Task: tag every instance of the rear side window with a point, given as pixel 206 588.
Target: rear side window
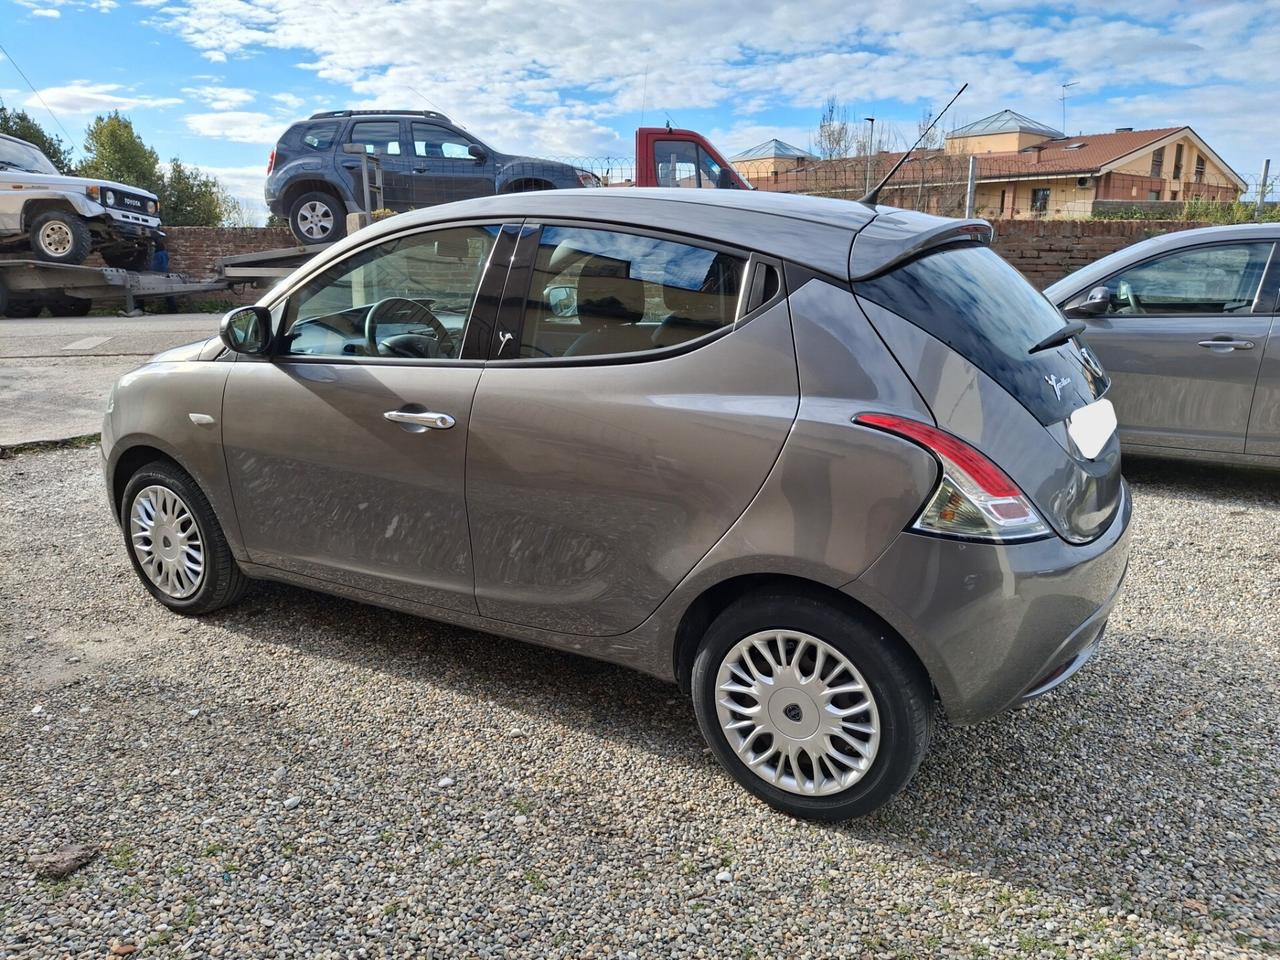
pixel 319 136
pixel 601 292
pixel 381 137
pixel 984 309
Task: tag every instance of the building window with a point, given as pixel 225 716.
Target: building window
pixel 1040 200
pixel 1177 162
pixel 1002 202
pixel 1153 195
pixel 1173 194
pixel 1199 169
pixel 1157 162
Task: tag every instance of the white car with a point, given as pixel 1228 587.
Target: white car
pixel 63 219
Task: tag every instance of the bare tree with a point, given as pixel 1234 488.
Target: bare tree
pixel 835 138
pixel 936 139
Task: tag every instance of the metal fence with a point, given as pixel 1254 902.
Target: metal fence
pixel 998 187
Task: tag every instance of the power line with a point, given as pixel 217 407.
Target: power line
pixel 8 56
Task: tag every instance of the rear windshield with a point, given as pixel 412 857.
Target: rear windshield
pixel 984 309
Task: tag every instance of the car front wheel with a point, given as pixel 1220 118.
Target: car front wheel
pixel 175 543
pixel 60 237
pixel 814 709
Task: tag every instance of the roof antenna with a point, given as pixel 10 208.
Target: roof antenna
pixel 874 193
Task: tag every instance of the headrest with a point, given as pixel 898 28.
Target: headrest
pixel 454 247
pixel 694 306
pixel 605 297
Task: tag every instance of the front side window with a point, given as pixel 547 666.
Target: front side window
pixel 408 297
pixel 430 140
pixel 1220 279
pixel 683 164
pixel 381 137
pixel 601 292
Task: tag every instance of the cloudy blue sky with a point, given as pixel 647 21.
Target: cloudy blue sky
pixel 215 81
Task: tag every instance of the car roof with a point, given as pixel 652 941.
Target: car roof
pixel 1093 274
pixel 814 231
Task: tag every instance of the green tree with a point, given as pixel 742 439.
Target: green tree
pixel 114 151
pixel 189 198
pixel 18 123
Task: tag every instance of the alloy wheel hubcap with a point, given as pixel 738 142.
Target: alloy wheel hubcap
pixel 56 238
pixel 315 220
pixel 797 712
pixel 166 540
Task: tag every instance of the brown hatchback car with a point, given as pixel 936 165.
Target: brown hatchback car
pixel 820 463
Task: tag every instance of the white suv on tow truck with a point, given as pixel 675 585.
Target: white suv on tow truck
pixel 64 219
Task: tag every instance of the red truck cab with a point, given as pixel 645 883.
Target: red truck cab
pixel 682 158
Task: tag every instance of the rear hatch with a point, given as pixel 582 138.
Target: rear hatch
pixel 963 323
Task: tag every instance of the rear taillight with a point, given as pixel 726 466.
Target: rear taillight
pixel 271 162
pixel 975 499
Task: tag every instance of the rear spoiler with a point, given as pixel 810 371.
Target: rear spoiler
pixel 894 237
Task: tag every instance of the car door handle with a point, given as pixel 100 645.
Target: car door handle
pixel 1226 344
pixel 432 421
pixel 419 169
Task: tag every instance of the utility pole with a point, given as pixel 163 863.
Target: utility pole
pixel 971 192
pixel 871 149
pixel 1262 189
pixel 1063 98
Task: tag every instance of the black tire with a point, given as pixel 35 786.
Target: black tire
pixel 223 583
pixel 23 309
pixel 902 693
pixel 65 306
pixel 128 257
pixel 58 236
pixel 302 217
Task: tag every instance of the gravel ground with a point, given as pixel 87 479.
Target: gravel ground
pixel 303 776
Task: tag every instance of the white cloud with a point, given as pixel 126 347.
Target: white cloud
pixel 83 97
pixel 51 12
pixel 239 126
pixel 543 78
pixel 289 101
pixel 221 98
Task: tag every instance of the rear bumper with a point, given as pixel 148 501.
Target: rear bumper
pixel 997 624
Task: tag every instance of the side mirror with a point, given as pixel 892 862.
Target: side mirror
pixel 563 301
pixel 246 330
pixel 1095 304
pixel 478 153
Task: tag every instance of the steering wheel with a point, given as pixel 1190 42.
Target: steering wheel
pixel 1132 297
pixel 403 310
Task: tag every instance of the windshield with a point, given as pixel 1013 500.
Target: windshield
pixel 16 155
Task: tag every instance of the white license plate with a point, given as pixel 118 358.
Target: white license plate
pixel 1091 427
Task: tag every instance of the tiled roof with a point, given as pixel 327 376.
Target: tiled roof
pixel 1006 121
pixel 1084 154
pixel 770 149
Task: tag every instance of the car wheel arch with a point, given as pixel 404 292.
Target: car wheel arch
pixel 37 206
pixel 714 599
pixel 297 188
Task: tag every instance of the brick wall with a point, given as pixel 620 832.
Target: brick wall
pixel 1044 250
pixel 1047 250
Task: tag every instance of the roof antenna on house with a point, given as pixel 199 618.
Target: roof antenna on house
pixel 874 193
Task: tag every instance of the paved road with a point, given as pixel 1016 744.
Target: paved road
pixel 55 373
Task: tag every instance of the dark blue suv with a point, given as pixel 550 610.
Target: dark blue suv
pixel 315 181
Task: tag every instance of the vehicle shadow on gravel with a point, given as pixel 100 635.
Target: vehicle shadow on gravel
pixel 1119 790
pixel 1254 485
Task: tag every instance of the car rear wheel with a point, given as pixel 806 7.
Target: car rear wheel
pixel 60 237
pixel 23 308
pixel 65 306
pixel 126 257
pixel 175 543
pixel 318 217
pixel 812 708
